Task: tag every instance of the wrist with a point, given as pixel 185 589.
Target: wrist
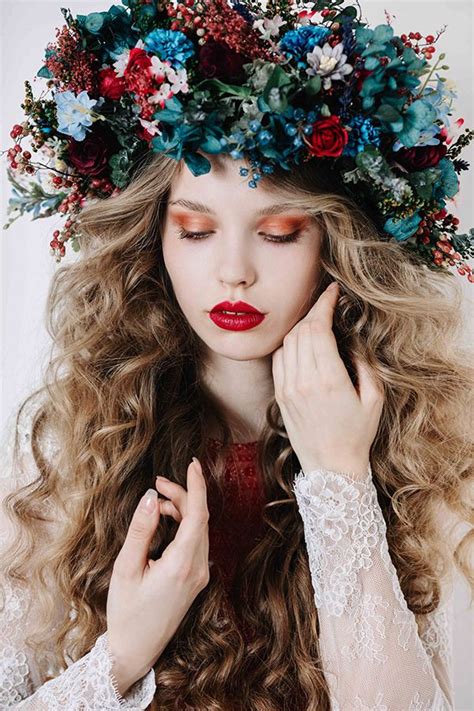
pixel 123 677
pixel 356 467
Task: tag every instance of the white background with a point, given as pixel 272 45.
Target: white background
pixel 27 267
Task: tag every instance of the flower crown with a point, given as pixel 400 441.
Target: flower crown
pixel 277 85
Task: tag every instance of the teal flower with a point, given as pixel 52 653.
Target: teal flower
pixel 404 228
pixel 448 184
pixel 410 125
pixel 170 45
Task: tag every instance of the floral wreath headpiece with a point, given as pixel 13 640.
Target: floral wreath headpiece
pixel 277 85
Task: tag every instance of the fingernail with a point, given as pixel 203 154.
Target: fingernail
pixel 163 478
pixel 196 461
pixel 332 285
pixel 148 501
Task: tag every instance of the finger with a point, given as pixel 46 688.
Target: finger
pixel 326 297
pixel 290 355
pixel 306 362
pixel 278 371
pixel 197 513
pixel 173 491
pixel 133 556
pixel 325 349
pixel 368 389
pixel 167 508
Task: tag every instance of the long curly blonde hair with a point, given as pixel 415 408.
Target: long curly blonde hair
pixel 124 398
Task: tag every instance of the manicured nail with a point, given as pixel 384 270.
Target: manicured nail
pixel 196 461
pixel 332 285
pixel 147 504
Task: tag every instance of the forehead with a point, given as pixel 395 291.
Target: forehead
pixel 223 188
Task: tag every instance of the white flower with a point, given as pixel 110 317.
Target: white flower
pixel 150 126
pixel 329 62
pixel 269 27
pixel 161 94
pixel 178 79
pixel 158 67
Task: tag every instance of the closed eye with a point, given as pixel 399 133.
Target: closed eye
pixel 292 237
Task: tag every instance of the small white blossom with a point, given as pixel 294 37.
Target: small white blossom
pixel 151 126
pixel 329 62
pixel 269 27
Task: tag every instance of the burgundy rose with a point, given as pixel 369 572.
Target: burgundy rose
pixel 328 138
pixel 218 61
pixel 90 156
pixel 110 85
pixel 420 157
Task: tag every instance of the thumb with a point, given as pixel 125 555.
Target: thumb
pixel 133 556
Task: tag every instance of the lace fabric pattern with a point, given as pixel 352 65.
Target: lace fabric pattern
pixel 374 656
pixel 87 684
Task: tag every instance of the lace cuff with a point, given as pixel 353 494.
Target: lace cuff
pixel 344 524
pixel 89 684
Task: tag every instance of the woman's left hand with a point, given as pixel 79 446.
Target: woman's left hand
pixel 330 423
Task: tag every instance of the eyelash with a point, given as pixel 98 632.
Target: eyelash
pixel 278 239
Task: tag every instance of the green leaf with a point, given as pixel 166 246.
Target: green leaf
pixel 277 80
pixel 94 22
pixel 197 164
pixel 233 89
pixel 44 73
pixel 389 115
pixel 383 33
pixel 313 86
pixel 211 145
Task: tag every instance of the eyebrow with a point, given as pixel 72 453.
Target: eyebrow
pixel 275 209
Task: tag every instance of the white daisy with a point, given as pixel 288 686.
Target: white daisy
pixel 329 62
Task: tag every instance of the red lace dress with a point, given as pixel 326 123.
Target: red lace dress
pixel 234 528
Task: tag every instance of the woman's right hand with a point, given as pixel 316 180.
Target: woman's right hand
pixel 148 599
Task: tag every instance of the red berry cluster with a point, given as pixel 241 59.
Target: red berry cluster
pixel 221 23
pixel 186 16
pixel 413 40
pixel 73 68
pixel 443 251
pixel 19 159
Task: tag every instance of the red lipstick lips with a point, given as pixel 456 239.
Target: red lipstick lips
pixel 242 316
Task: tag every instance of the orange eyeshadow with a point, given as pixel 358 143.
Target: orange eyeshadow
pixel 284 224
pixel 192 222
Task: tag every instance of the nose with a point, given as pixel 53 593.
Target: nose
pixel 235 264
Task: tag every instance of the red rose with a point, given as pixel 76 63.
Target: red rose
pixel 91 156
pixel 110 85
pixel 328 138
pixel 138 60
pixel 420 157
pixel 218 61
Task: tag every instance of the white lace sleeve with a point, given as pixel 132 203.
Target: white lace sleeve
pixel 374 656
pixel 84 684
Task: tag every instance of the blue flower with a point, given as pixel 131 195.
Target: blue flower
pixel 363 133
pixel 297 43
pixel 170 45
pixel 404 228
pixel 74 113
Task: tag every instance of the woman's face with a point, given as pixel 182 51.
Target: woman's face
pixel 234 259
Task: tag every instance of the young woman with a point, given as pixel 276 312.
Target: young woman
pixel 241 484
pixel 283 568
